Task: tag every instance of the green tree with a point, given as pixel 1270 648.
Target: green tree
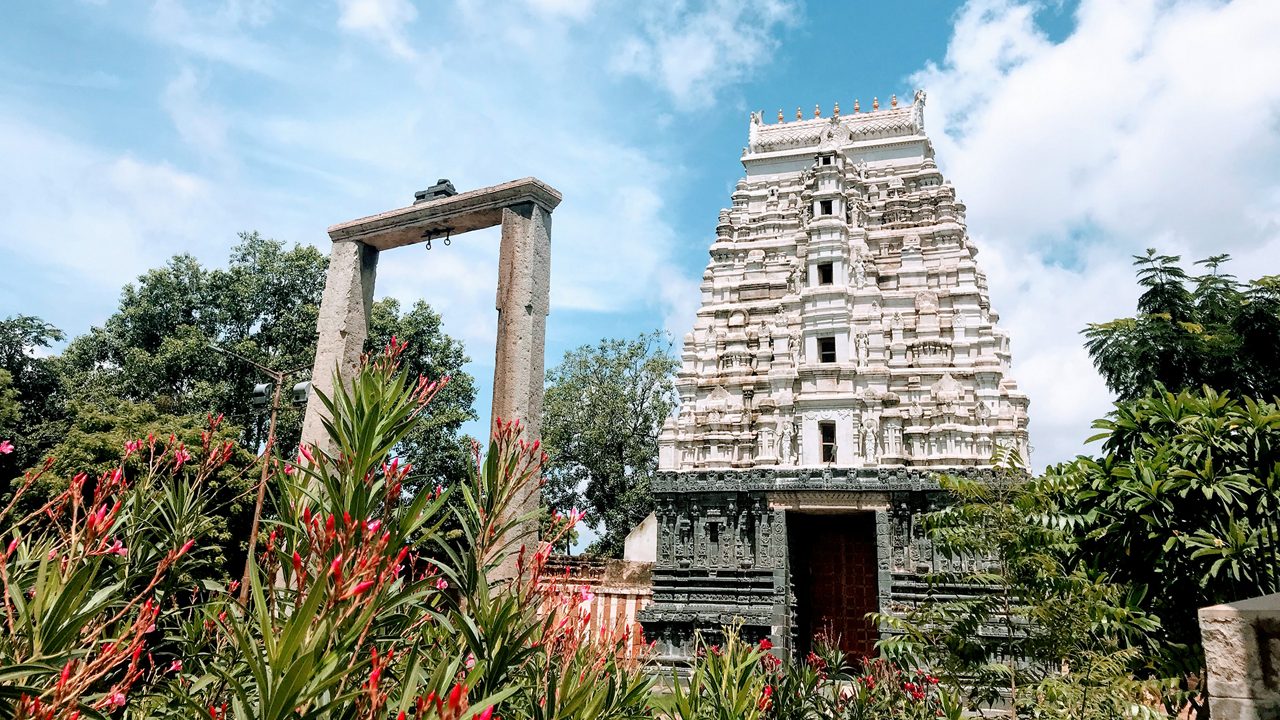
pixel 32 416
pixel 1184 502
pixel 435 444
pixel 1191 331
pixel 155 348
pixel 1005 619
pixel 603 410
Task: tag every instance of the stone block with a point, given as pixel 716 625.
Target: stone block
pixel 1242 651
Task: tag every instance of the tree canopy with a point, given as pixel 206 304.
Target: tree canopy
pixel 151 366
pixel 1182 503
pixel 1192 330
pixel 603 410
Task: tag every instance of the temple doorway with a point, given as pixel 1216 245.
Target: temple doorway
pixel 834 573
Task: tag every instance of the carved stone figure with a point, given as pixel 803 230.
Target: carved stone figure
pixel 859 272
pixel 864 349
pixel 870 438
pixel 786 442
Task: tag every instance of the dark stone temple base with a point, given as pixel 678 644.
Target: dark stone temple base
pixel 788 553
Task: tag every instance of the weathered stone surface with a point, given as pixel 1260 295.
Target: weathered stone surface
pixel 523 301
pixel 464 212
pixel 343 326
pixel 523 208
pixel 1242 652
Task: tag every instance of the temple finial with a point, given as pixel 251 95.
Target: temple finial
pixel 799 113
pixel 817 112
pixel 780 118
pixel 856 109
pixel 875 104
pixel 893 100
pixel 836 112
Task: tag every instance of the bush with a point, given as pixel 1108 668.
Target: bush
pixel 358 607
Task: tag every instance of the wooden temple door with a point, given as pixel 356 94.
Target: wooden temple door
pixel 835 576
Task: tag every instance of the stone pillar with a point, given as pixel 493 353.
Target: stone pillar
pixel 342 327
pixel 523 301
pixel 1242 652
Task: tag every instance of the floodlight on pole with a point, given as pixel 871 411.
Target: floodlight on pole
pixel 259 399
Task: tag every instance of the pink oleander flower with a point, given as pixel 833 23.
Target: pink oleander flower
pixel 6 447
pixel 175 666
pixel 305 452
pixel 442 584
pixel 180 457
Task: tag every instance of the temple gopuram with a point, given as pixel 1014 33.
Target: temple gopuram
pixel 844 355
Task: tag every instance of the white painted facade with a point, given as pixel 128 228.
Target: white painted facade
pixel 843 296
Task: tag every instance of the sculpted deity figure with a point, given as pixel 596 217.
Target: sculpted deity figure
pixel 795 277
pixel 859 272
pixel 864 348
pixel 786 442
pixel 870 434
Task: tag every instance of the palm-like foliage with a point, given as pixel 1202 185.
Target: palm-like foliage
pixel 1190 331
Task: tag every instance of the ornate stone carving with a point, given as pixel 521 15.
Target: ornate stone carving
pixel 861 248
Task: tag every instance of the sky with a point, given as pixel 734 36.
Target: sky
pixel 1078 134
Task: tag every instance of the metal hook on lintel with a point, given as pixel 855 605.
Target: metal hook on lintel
pixel 429 235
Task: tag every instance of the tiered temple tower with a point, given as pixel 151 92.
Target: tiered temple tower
pixel 845 352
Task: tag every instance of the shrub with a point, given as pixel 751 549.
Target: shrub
pixel 358 606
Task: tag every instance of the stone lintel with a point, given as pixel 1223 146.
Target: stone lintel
pixel 457 214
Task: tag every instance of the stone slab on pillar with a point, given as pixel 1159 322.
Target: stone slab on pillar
pixel 523 302
pixel 1242 652
pixel 343 326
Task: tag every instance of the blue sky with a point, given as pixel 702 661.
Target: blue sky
pixel 1078 134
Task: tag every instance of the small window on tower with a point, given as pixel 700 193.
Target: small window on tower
pixel 826 273
pixel 827 349
pixel 826 160
pixel 825 207
pixel 828 432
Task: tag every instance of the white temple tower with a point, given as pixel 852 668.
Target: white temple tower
pixel 845 353
pixel 844 319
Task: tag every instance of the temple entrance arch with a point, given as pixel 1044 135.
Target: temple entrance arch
pixel 523 209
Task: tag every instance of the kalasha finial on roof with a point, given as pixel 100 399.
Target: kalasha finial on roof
pixel 875 104
pixel 780 118
pixel 836 112
pixel 817 111
pixel 893 100
pixel 856 108
pixel 799 113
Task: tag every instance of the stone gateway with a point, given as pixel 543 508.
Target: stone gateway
pixel 845 352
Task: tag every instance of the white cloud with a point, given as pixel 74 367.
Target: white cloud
pixel 694 49
pixel 221 32
pixel 1152 123
pixel 573 9
pixel 99 218
pixel 199 122
pixel 382 21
